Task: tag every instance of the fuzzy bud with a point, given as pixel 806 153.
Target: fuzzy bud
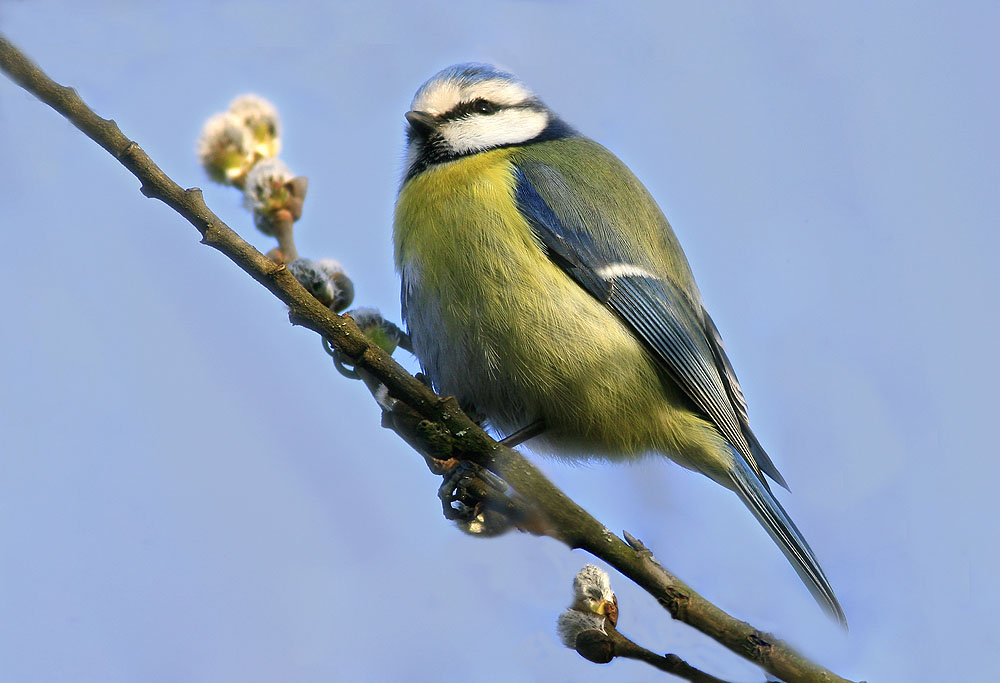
pixel 344 287
pixel 325 279
pixel 267 193
pixel 261 118
pixel 226 149
pixel 571 624
pixel 592 593
pixel 377 328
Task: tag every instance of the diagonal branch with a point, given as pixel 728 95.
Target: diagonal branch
pixel 431 424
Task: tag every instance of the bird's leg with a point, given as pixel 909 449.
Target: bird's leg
pixel 529 431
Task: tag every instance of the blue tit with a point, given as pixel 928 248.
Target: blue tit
pixel 544 289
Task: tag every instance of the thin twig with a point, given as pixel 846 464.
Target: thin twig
pixel 433 423
pixel 670 663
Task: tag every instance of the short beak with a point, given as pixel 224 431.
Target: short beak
pixel 420 122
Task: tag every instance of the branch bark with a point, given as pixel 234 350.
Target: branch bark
pixel 432 424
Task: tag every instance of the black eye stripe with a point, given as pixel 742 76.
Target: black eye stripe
pixel 480 106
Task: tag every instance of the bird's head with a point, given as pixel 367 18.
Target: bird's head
pixel 470 108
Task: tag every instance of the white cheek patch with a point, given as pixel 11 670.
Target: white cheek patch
pixel 613 270
pixel 506 127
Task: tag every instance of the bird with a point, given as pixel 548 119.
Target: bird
pixel 544 289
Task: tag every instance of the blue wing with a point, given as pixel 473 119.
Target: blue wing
pixel 669 318
pixel 676 330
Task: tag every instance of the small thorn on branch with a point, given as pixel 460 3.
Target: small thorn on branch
pixel 127 150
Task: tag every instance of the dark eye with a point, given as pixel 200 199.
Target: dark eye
pixel 484 107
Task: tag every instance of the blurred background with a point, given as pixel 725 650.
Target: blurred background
pixel 189 491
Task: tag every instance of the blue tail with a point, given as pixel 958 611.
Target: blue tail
pixel 768 511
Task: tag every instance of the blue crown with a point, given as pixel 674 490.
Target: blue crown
pixel 468 74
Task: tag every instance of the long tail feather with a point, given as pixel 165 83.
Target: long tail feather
pixel 780 527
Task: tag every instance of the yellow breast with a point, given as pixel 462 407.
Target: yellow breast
pixel 498 325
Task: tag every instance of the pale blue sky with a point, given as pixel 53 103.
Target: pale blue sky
pixel 189 491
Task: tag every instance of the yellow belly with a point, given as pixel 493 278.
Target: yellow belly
pixel 502 328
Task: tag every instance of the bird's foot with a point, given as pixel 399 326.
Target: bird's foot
pixel 474 498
